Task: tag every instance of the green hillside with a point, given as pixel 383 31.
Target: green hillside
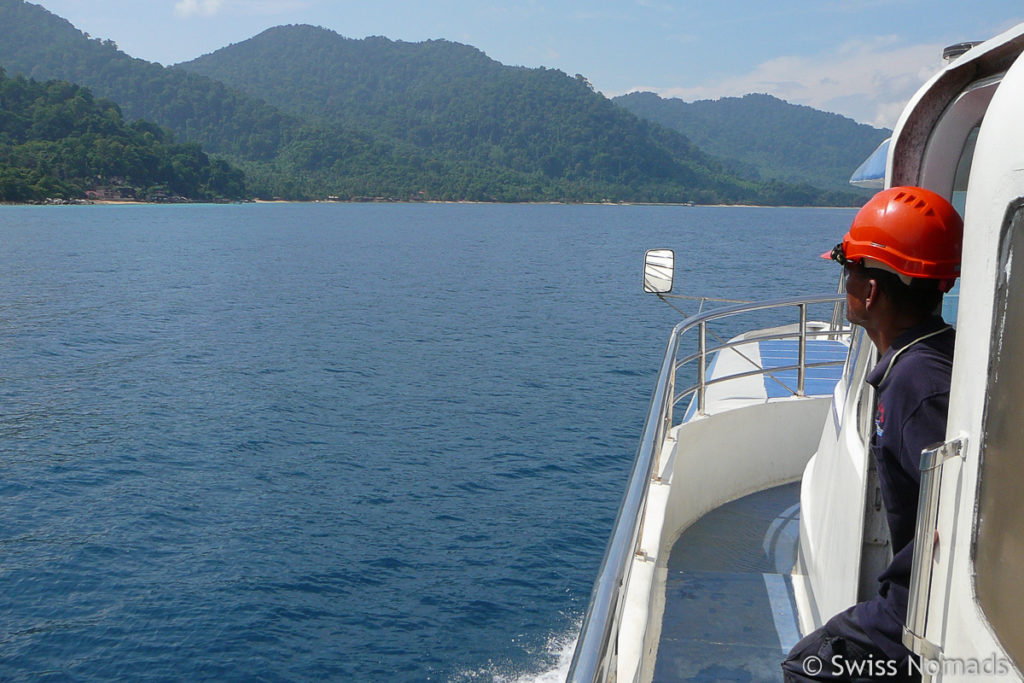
pixel 452 102
pixel 309 114
pixel 281 155
pixel 57 141
pixel 767 136
pixel 43 46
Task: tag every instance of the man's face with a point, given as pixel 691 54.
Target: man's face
pixel 858 288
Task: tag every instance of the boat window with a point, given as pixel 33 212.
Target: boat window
pixel 866 404
pixel 852 357
pixel 963 171
pixel 999 547
pixel 950 154
pixel 959 199
pixel 950 302
pixel 946 165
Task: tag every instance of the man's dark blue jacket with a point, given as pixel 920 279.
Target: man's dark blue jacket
pixel 912 380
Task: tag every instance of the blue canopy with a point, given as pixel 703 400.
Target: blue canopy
pixel 871 173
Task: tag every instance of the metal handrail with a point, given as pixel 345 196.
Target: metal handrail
pixel 837 310
pixel 751 373
pixel 802 334
pixel 594 658
pixel 827 332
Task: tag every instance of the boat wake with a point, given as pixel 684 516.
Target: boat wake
pixel 551 664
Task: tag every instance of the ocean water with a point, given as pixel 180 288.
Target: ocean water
pixel 334 442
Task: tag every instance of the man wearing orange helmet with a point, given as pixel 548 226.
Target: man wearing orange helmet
pixel 901 254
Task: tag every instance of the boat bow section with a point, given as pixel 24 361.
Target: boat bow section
pixel 750 418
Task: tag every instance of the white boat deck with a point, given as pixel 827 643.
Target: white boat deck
pixel 729 612
pixel 721 477
pixel 729 609
pixel 742 391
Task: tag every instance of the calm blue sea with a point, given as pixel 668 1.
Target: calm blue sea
pixel 334 442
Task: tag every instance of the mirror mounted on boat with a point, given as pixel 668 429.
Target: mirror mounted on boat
pixel 659 269
pixel 659 266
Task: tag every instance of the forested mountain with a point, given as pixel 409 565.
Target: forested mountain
pixel 43 46
pixel 306 114
pixel 281 154
pixel 452 100
pixel 784 141
pixel 57 141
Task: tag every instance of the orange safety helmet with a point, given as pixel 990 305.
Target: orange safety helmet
pixel 911 231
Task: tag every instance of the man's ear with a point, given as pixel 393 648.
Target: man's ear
pixel 874 291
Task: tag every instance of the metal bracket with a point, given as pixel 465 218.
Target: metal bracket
pixel 920 645
pixel 934 456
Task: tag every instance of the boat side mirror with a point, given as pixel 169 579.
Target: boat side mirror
pixel 659 265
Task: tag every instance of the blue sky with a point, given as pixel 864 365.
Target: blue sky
pixel 859 58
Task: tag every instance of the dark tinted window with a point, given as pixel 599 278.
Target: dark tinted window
pixel 999 554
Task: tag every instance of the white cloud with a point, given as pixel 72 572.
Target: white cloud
pixel 209 8
pixel 190 8
pixel 867 81
pixel 270 6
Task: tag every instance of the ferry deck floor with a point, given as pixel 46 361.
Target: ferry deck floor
pixel 729 611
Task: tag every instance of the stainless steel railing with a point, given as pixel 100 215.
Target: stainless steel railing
pixel 932 461
pixel 595 656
